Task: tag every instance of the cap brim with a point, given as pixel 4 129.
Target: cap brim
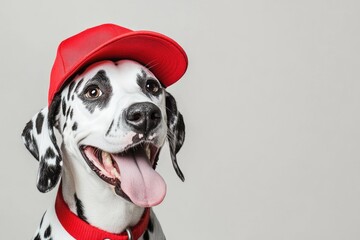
pixel 160 54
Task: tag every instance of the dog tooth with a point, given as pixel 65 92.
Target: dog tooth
pixel 104 155
pixel 115 173
pixel 148 152
pixel 107 160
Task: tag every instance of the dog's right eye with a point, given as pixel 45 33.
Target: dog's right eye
pixel 153 87
pixel 93 92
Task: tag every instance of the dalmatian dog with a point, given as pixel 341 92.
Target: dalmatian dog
pixel 102 135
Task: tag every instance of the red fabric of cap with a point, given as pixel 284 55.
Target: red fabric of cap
pixel 161 54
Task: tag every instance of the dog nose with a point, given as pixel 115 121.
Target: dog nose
pixel 143 117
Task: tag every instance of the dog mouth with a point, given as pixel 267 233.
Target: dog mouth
pixel 131 172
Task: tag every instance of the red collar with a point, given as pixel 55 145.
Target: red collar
pixel 81 230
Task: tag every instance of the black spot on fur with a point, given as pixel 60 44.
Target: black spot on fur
pixel 39 122
pixel 101 81
pixel 54 110
pixel 71 86
pixel 68 112
pixel 37 237
pixel 49 153
pixel 64 126
pixel 74 126
pixel 63 106
pixel 151 226
pixel 30 142
pixel 47 232
pixel 146 235
pixel 42 219
pixel 108 131
pixel 79 208
pixel 78 85
pixel 71 113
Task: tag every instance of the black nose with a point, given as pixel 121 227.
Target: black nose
pixel 143 117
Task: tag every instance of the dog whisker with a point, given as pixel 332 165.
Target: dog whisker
pixel 152 64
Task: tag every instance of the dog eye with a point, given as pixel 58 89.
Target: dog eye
pixel 153 87
pixel 93 92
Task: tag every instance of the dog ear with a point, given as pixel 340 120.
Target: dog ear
pixel 39 138
pixel 176 131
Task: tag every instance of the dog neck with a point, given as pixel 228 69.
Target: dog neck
pixel 95 201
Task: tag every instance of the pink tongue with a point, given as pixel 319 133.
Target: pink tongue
pixel 141 183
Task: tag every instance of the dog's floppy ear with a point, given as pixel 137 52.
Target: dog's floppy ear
pixel 176 131
pixel 39 138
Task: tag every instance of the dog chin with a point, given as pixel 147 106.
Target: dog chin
pixel 131 172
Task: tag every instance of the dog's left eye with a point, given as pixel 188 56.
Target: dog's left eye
pixel 93 92
pixel 153 86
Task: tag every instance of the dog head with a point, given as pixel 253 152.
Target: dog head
pixel 113 118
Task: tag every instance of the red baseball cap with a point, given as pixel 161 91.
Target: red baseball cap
pixel 165 57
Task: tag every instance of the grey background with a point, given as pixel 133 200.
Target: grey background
pixel 271 101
